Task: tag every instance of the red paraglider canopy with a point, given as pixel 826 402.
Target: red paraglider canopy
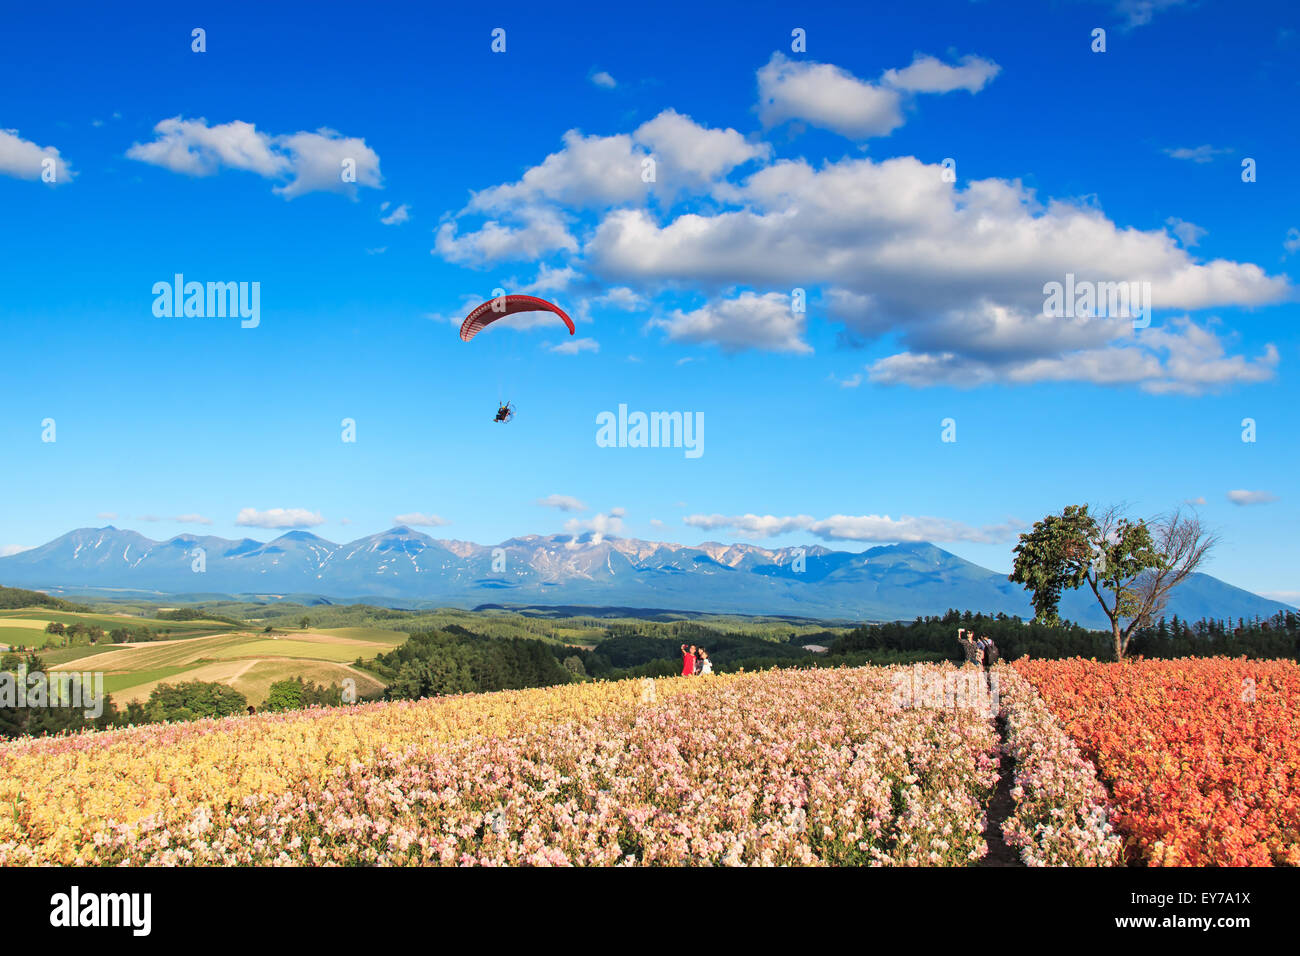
pixel 484 315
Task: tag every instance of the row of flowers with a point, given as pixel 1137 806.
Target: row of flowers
pixel 1202 757
pixel 1061 809
pixel 775 768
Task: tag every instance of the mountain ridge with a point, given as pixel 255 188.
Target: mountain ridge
pixel 887 582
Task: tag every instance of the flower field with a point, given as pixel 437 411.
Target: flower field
pixel 781 767
pixel 1202 757
pixel 1165 762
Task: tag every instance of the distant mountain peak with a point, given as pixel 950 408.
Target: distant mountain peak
pixel 896 581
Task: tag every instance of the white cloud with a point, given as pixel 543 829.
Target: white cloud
pixel 957 274
pixel 311 161
pixel 562 502
pixel 107 515
pixel 1179 358
pixel 543 232
pixel 748 321
pixel 1243 497
pixel 1189 234
pixel 552 279
pixel 691 156
pixel 317 161
pixel 278 518
pixel 751 525
pixel 418 519
pixel 588 172
pixel 194 148
pixel 7 549
pixel 599 525
pixel 574 346
pixel 1197 154
pixel 928 74
pixel 825 96
pixel 856 527
pixel 398 216
pixel 604 80
pixel 23 159
pixel 1195 502
pixel 1292 241
pixel 829 97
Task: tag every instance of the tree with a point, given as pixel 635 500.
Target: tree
pixel 305 623
pixel 1129 565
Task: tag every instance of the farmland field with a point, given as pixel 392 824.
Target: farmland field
pixel 249 663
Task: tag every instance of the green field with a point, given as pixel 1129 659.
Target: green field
pixel 250 659
pixel 247 661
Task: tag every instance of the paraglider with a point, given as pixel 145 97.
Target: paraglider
pixel 503 305
pixel 498 308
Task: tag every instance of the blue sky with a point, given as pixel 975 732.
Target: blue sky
pixel 775 169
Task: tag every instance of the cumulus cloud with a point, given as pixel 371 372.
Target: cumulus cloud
pixel 588 172
pixel 957 274
pixel 604 80
pixel 749 321
pixel 829 97
pixel 880 528
pixel 398 216
pixel 417 519
pixel 278 518
pixel 1292 241
pixel 543 231
pixel 1243 497
pixel 23 159
pixel 688 155
pixel 826 96
pixel 928 74
pixel 310 161
pixel 598 525
pixel 593 172
pixel 562 502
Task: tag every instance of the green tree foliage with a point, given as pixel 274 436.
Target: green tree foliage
pixel 192 700
pixel 13 598
pixel 1279 636
pixel 48 716
pixel 457 661
pixel 294 694
pixel 1129 565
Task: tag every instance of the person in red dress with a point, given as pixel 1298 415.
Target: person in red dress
pixel 688 661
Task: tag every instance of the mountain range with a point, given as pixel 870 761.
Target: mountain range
pixel 401 565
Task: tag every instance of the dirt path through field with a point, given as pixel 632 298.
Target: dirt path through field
pixel 1001 806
